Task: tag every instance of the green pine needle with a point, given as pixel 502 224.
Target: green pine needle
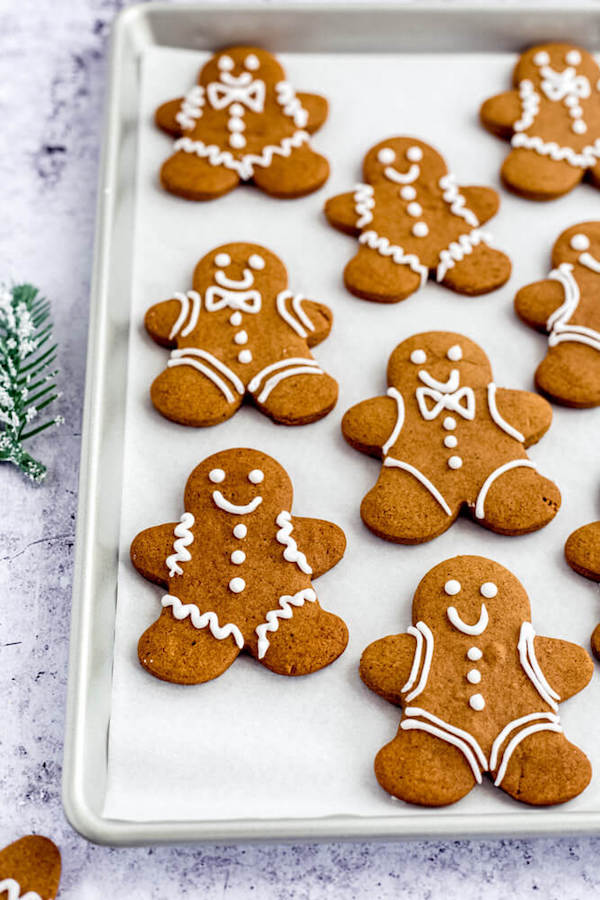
pixel 26 377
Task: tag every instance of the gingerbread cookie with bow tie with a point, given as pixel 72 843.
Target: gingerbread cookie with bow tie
pixel 450 440
pixel 552 119
pixel 479 691
pixel 30 869
pixel 238 569
pixel 241 333
pixel 243 122
pixel 565 306
pixel 413 221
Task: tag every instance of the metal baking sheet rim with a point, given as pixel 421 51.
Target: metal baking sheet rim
pixel 96 559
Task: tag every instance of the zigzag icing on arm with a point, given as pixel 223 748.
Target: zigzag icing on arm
pixel 292 107
pixel 191 107
pixel 184 539
pixel 456 201
pixel 284 536
pixel 530 105
pixel 271 623
pixel 382 245
pixel 13 889
pixel 364 203
pixel 203 620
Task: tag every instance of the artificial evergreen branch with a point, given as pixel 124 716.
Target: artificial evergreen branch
pixel 26 377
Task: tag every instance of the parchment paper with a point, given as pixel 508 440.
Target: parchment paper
pixel 251 743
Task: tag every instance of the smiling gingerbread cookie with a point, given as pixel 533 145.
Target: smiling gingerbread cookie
pixel 239 568
pixel 479 691
pixel 565 305
pixel 241 333
pixel 243 122
pixel 412 220
pixel 450 439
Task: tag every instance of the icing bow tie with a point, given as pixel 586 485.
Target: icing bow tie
pixel 251 95
pixel 461 401
pixel 558 85
pixel 219 298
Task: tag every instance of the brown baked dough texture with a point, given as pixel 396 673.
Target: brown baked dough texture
pixel 32 864
pixel 566 306
pixel 413 221
pixel 480 693
pixel 582 552
pixel 450 440
pixel 239 569
pixel 552 119
pixel 240 333
pixel 243 122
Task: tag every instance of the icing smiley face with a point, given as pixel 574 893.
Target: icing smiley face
pixel 439 361
pixel 404 162
pixel 239 67
pixel 244 269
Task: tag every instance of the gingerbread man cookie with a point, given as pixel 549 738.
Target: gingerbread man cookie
pixel 479 691
pixel 241 333
pixel 238 568
pixel 243 122
pixel 30 869
pixel 582 552
pixel 412 221
pixel 565 305
pixel 450 439
pixel 552 119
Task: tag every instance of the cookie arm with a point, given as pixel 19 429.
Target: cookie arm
pixel 321 318
pixel 317 108
pixel 340 212
pixel 498 114
pixel 483 201
pixel 368 425
pixel 527 412
pixel 322 542
pixel 386 664
pixel 165 117
pixel 566 666
pixel 149 551
pixel 535 303
pixel 582 551
pixel 159 322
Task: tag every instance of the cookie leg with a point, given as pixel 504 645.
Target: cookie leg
pixel 308 641
pixel 570 374
pixel 176 651
pixel 187 395
pixel 481 271
pixel 371 276
pixel 538 177
pixel 300 173
pixel 296 394
pixel 402 509
pixel 419 768
pixel 545 768
pixel 516 501
pixel 194 178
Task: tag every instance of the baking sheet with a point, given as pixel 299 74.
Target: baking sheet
pixel 252 744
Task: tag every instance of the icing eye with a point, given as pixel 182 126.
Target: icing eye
pixel 541 58
pixel 225 64
pixel 222 260
pixel 454 353
pixel 452 587
pixel 488 590
pixel 408 192
pixel 579 242
pixel 573 57
pixel 256 262
pixel 386 156
pixel 418 357
pixel 216 476
pixel 414 154
pixel 252 62
pixel 256 476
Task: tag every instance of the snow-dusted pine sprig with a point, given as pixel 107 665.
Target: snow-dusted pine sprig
pixel 26 378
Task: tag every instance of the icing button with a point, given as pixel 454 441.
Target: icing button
pixel 408 192
pixel 237 585
pixel 241 337
pixel 236 318
pixel 455 462
pixel 420 229
pixel 449 423
pixel 474 653
pixel 414 209
pixel 244 356
pixel 240 531
pixel 238 557
pixel 476 702
pixel 474 676
pixel 450 441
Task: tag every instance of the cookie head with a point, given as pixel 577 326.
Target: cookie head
pixel 250 271
pixel 239 67
pixel 439 360
pixel 237 483
pixel 579 246
pixel 403 161
pixel 553 67
pixel 471 594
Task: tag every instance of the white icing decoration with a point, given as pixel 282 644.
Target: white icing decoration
pixel 185 357
pixel 580 242
pixel 235 318
pixel 13 890
pixel 291 552
pixel 590 262
pixel 408 192
pixel 229 507
pixel 457 250
pixel 240 531
pixel 466 743
pixel 402 177
pixel 222 260
pixel 309 367
pixel 252 62
pixel 397 396
pixel 558 323
pixel 184 300
pixel 585 159
pixel 455 462
pixel 256 476
pixel 236 140
pixel 237 585
pixel 541 58
pixel 399 464
pixel 238 557
pixel 216 476
pixel 456 200
pixel 449 423
pixel 202 620
pixel 477 702
pixel 450 441
pixel 474 676
pixel 455 353
pixel 256 262
pixel 386 156
pixel 240 284
pixel 573 57
pixel 191 107
pixel 488 590
pixel 452 587
pixel 476 629
pixel 218 297
pixel 245 356
pixel 500 422
pixel 364 203
pixel 414 154
pixel 184 539
pixel 420 229
pixel 420 631
pixel 526 648
pixel 551 725
pixel 414 209
pixel 480 502
pixel 225 63
pixel 450 397
pixel 241 90
pixel 530 106
pixel 296 318
pixel 382 245
pixel 418 357
pixel 446 387
pixel 246 165
pixel 286 611
pixel 474 653
pixel 287 99
pixel 241 337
